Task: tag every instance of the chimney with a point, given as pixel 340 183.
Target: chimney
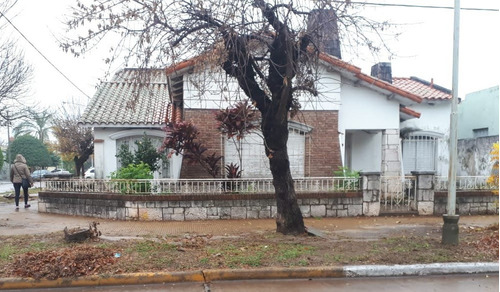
pixel 382 71
pixel 323 29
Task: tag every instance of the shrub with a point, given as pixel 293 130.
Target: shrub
pixel 132 172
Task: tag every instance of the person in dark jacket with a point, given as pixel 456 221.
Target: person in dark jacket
pixel 18 172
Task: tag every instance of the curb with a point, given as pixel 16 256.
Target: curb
pixel 207 276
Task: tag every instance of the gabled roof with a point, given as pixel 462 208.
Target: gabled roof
pixel 122 102
pixel 425 89
pixel 373 81
pixel 336 63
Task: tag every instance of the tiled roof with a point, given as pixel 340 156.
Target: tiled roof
pixel 333 61
pixel 124 102
pixel 425 89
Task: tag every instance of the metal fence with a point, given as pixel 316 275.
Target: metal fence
pixel 398 193
pixel 464 183
pixel 201 186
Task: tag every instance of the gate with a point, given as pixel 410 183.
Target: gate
pixel 398 194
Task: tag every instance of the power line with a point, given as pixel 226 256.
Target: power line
pixel 418 6
pixel 41 54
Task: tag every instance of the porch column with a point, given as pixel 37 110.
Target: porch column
pixel 371 193
pixel 424 181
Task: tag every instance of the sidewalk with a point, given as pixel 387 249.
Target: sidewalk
pixel 29 221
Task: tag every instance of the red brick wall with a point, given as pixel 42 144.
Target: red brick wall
pixel 322 143
pixel 210 137
pixel 322 155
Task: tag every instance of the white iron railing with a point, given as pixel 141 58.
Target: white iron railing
pixel 201 186
pixel 464 183
pixel 398 192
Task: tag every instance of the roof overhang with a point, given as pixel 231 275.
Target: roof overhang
pixel 406 114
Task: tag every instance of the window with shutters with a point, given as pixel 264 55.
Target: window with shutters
pixel 255 164
pixel 419 153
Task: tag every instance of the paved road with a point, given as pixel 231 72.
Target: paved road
pixel 445 283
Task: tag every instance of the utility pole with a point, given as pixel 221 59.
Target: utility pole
pixel 450 226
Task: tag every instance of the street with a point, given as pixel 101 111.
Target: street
pixel 456 283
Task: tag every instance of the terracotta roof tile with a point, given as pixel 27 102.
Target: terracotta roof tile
pixel 425 89
pixel 113 103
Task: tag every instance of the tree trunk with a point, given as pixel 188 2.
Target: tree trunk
pixel 289 217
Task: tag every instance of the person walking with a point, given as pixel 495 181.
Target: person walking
pixel 20 176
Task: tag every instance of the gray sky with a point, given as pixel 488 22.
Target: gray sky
pixel 424 49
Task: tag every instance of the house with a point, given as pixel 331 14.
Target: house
pixel 477 131
pixel 122 112
pixel 354 123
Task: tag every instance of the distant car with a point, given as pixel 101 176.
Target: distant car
pixel 39 174
pixel 59 173
pixel 90 173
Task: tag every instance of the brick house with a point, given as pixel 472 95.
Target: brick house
pixel 355 122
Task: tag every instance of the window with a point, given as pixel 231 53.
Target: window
pixel 482 132
pixel 164 171
pixel 254 160
pixel 419 153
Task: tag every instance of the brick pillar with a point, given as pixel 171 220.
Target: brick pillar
pixel 425 191
pixel 371 193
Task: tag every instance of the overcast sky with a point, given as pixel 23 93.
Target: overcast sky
pixel 424 49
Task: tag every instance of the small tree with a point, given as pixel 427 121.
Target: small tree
pixel 145 153
pixel 33 150
pixel 236 122
pixel 493 179
pixel 182 138
pixel 75 143
pixel 1 159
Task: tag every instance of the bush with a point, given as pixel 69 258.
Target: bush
pixel 129 174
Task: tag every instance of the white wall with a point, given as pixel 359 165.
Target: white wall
pixel 364 109
pixel 105 152
pixel 216 90
pixel 434 118
pixel 366 151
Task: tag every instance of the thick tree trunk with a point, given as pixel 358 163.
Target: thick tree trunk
pixel 289 217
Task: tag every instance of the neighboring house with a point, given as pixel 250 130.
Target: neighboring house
pixel 121 113
pixel 477 131
pixel 425 140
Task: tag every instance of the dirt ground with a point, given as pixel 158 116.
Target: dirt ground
pixel 33 245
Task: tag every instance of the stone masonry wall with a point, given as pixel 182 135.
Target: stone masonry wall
pixel 468 203
pixel 199 207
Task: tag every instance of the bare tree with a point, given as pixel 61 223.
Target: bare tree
pixel 262 44
pixel 15 74
pixel 74 142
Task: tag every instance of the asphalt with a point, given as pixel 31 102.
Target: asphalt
pixel 29 221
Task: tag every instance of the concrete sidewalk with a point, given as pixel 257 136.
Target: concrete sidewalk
pixel 29 221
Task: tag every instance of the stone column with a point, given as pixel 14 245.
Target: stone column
pixel 371 193
pixel 425 191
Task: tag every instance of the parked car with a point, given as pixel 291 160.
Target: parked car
pixel 58 173
pixel 90 173
pixel 37 175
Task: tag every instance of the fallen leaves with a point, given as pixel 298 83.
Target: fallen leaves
pixel 69 262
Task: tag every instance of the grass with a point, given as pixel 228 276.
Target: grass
pixel 262 250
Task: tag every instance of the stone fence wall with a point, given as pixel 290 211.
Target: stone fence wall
pixel 421 199
pixel 468 203
pixel 194 207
